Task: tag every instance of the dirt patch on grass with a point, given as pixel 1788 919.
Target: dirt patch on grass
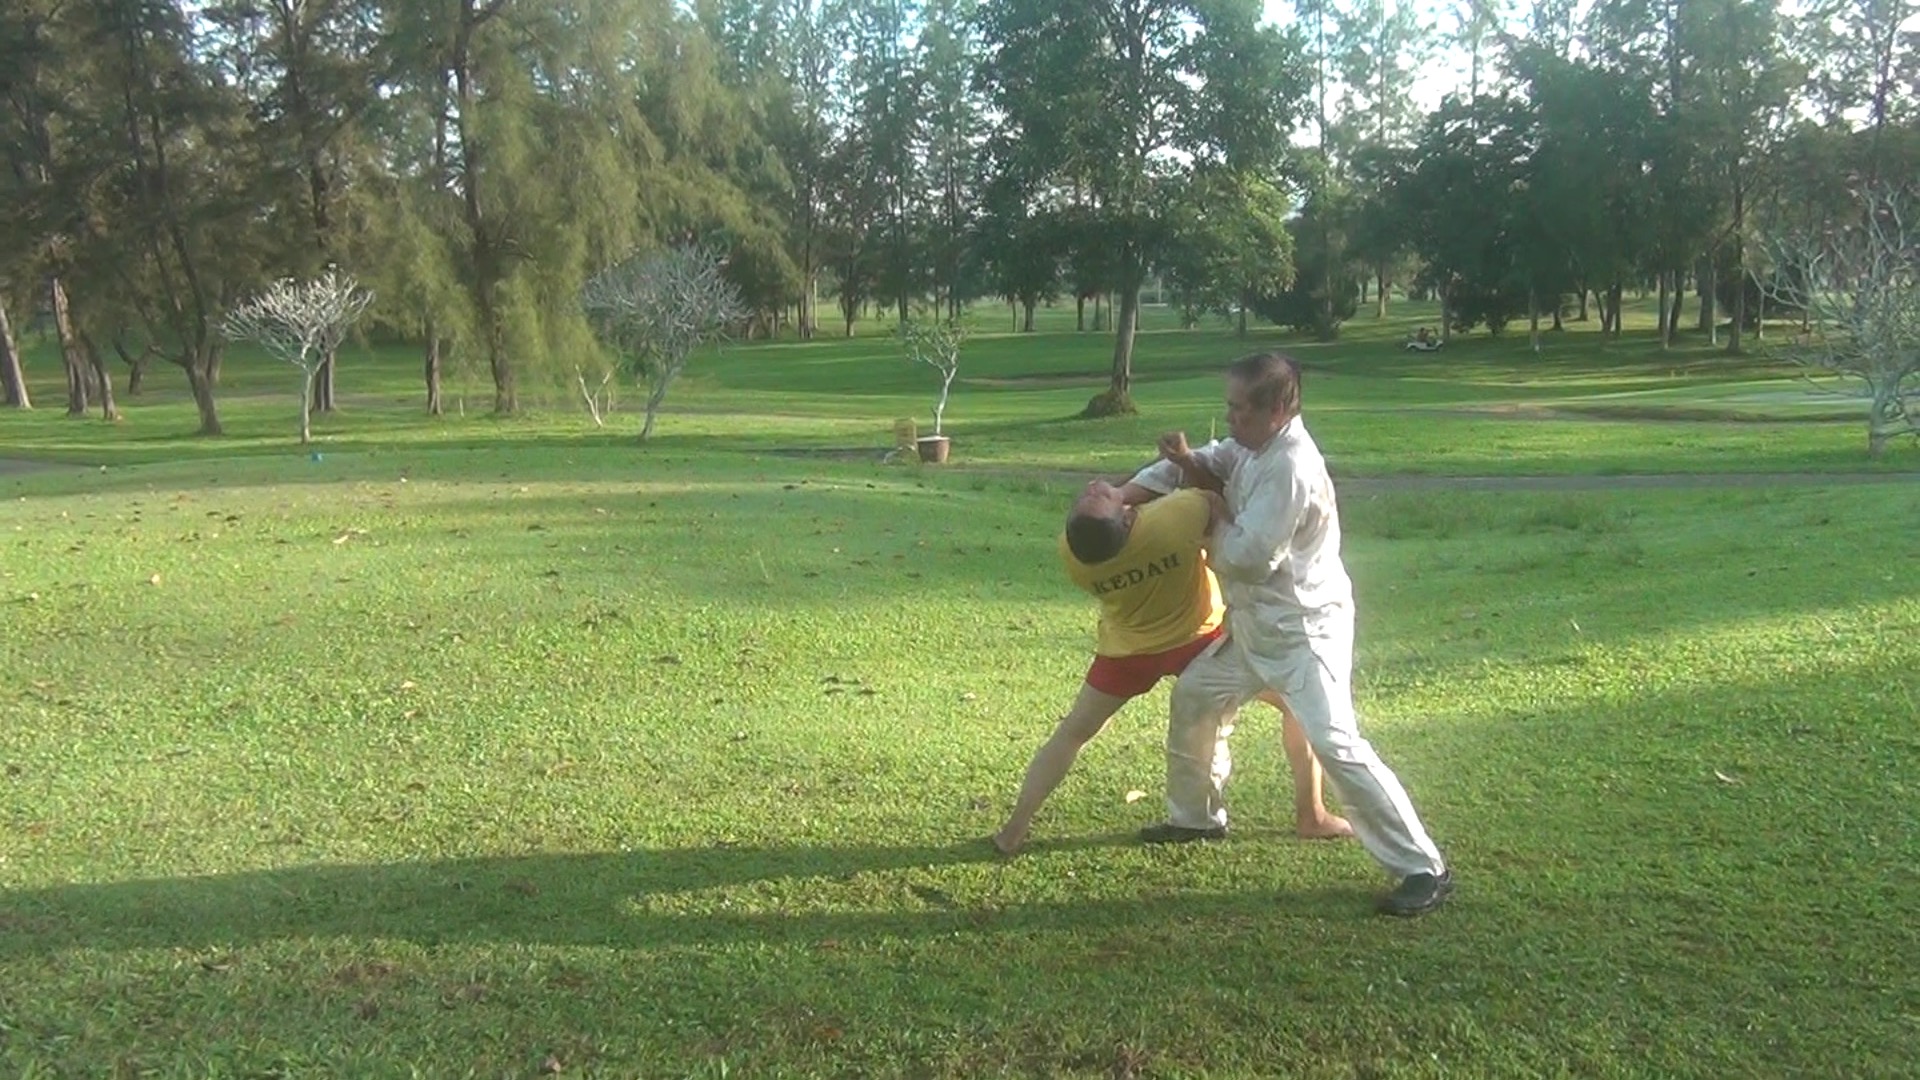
pixel 1036 382
pixel 1687 414
pixel 1379 485
pixel 832 453
pixel 15 466
pixel 1625 482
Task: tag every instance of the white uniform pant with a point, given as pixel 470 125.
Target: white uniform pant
pixel 1207 698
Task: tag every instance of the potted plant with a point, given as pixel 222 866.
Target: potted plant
pixel 937 344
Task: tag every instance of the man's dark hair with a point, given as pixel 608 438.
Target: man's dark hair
pixel 1096 539
pixel 1272 381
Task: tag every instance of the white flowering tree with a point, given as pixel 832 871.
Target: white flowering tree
pixel 936 343
pixel 655 309
pixel 1856 283
pixel 303 323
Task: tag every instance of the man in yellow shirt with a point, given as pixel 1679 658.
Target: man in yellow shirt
pixel 1159 608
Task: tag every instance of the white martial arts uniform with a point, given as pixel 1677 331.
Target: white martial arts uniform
pixel 1289 629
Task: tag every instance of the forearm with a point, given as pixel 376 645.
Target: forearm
pixel 1151 482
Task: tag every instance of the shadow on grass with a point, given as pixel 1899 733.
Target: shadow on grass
pixel 1708 879
pixel 612 899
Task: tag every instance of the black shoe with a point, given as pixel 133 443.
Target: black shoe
pixel 1169 833
pixel 1418 894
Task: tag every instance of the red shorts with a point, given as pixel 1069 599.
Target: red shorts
pixel 1131 676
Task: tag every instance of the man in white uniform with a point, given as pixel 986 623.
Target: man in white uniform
pixel 1289 630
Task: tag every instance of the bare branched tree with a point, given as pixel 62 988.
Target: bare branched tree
pixel 1857 285
pixel 656 308
pixel 303 323
pixel 598 396
pixel 936 343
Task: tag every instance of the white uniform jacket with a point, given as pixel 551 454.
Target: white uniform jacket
pixel 1279 560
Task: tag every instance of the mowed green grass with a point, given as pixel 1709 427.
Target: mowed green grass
pixel 496 748
pixel 1486 406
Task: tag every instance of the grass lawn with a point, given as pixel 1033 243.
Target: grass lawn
pixel 505 748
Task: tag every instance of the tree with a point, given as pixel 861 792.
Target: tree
pixel 168 225
pixel 1377 231
pixel 1857 281
pixel 13 379
pixel 303 323
pixel 1477 21
pixel 948 59
pixel 1021 247
pixel 655 309
pixel 1859 54
pixel 802 134
pixel 1739 93
pixel 1319 297
pixel 935 343
pixel 1230 244
pixel 886 91
pixel 547 142
pixel 1467 195
pixel 1129 97
pixel 1379 49
pixel 43 86
pixel 310 68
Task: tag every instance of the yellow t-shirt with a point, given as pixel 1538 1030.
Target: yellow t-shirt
pixel 1157 594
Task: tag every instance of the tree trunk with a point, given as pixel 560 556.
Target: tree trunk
pixel 1739 269
pixel 1533 317
pixel 102 380
pixel 809 295
pixel 1380 292
pixel 1666 326
pixel 435 406
pixel 1118 398
pixel 1582 317
pixel 655 395
pixel 1679 305
pixel 12 374
pixel 1029 304
pixel 1325 331
pixel 505 400
pixel 136 366
pixel 70 351
pixel 1710 303
pixel 1616 297
pixel 323 385
pixel 1080 313
pixel 488 273
pixel 1446 313
pixel 1245 299
pixel 1703 290
pixel 307 381
pixel 200 381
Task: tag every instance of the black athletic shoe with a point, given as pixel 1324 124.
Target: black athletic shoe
pixel 1418 894
pixel 1168 833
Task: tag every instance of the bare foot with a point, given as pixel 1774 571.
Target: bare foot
pixel 1007 843
pixel 1326 827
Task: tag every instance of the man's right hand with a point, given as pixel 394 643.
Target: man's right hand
pixel 1174 448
